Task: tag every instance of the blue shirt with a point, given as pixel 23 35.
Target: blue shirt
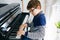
pixel 39 19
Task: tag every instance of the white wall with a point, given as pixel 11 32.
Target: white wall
pixel 53 13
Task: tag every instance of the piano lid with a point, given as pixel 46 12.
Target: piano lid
pixel 4 10
pixel 2 5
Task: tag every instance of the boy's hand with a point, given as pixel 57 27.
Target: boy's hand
pixel 21 31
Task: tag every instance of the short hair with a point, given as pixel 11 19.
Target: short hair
pixel 34 4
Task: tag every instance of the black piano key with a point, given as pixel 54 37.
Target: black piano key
pixel 12 37
pixel 13 34
pixel 14 30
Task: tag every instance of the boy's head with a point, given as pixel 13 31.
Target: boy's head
pixel 33 4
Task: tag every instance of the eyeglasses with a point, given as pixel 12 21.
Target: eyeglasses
pixel 31 10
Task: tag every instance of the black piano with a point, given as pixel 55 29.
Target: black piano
pixel 11 18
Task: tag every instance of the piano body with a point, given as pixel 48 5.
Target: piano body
pixel 11 18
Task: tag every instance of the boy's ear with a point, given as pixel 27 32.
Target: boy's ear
pixel 38 7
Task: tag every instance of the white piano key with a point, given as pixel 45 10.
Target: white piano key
pixel 8 29
pixel 18 37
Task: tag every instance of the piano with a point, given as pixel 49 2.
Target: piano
pixel 11 18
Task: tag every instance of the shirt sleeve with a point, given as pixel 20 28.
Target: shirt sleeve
pixel 37 34
pixel 42 20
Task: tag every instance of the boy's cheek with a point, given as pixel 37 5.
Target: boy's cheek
pixel 35 11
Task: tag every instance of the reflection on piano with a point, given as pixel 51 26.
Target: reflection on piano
pixel 11 18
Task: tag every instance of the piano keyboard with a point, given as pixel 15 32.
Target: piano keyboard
pixel 13 34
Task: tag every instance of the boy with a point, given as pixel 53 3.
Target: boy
pixel 39 21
